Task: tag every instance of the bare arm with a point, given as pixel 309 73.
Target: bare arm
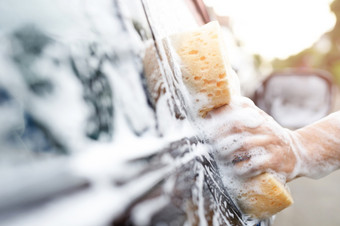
pixel 320 146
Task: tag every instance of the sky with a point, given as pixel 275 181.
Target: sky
pixel 276 28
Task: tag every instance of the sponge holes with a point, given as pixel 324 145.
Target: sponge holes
pixel 222 75
pixel 221 83
pixel 193 52
pixel 214 36
pixel 218 93
pixel 209 81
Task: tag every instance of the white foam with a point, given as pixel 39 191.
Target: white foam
pixel 241 129
pixel 318 157
pixel 286 154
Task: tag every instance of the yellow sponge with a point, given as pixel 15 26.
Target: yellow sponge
pixel 263 196
pixel 205 68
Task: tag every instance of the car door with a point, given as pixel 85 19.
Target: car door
pixel 82 140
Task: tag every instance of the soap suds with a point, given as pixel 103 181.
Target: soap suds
pixel 320 158
pixel 247 143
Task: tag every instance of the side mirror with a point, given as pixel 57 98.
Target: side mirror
pixel 296 97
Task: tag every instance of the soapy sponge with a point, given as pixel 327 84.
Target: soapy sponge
pixel 263 196
pixel 205 68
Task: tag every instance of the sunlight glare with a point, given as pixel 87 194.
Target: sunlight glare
pixel 277 28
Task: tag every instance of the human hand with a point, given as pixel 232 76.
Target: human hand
pixel 250 142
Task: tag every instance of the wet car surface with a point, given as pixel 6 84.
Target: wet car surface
pixel 82 143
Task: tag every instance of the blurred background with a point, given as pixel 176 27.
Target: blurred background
pixel 284 34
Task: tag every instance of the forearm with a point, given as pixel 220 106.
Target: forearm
pixel 319 147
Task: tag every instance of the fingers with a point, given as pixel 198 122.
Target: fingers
pixel 257 161
pixel 236 121
pixel 238 146
pixel 253 166
pixel 249 156
pixel 225 147
pixel 233 131
pixel 248 140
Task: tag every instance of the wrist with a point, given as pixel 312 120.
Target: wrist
pixel 314 157
pixel 298 155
